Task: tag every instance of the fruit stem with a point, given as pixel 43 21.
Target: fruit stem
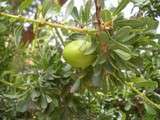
pixel 51 24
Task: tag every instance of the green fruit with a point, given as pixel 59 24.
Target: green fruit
pixel 74 54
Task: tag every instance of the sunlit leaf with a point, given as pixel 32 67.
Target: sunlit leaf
pixel 87 10
pixel 142 22
pixel 25 4
pixel 147 84
pixel 69 8
pixel 120 7
pixel 122 54
pixel 106 15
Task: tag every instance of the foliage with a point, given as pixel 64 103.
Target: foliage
pixel 151 7
pixel 37 83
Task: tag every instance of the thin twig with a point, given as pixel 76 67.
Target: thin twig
pixel 51 24
pixel 143 96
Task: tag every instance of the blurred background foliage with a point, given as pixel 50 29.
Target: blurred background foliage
pixel 36 82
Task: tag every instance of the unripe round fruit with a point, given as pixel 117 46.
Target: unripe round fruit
pixel 74 54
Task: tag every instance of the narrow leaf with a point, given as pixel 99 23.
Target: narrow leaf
pixel 96 78
pixel 141 23
pixel 69 8
pixel 3 28
pixel 75 87
pixel 87 10
pixel 141 82
pixel 75 14
pixel 106 15
pixel 44 102
pixel 25 4
pixel 120 7
pixel 149 109
pixel 122 54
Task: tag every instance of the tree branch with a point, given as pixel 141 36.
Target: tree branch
pixel 143 96
pixel 55 25
pixel 98 13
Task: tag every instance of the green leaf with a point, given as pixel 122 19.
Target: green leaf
pixel 25 4
pixel 96 78
pixel 106 15
pixel 44 102
pixel 49 99
pixel 23 105
pixel 120 7
pixel 87 10
pixel 122 115
pixel 122 54
pixel 150 110
pixel 76 86
pixel 75 14
pixel 35 94
pixel 105 36
pixel 18 34
pixel 122 33
pixel 83 16
pixel 90 49
pixel 141 23
pixel 55 7
pixel 3 28
pixel 76 36
pixel 147 84
pixel 55 102
pixel 128 38
pixel 149 117
pixel 67 70
pixel 46 6
pixel 69 8
pixel 11 96
pixel 141 2
pixel 128 106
